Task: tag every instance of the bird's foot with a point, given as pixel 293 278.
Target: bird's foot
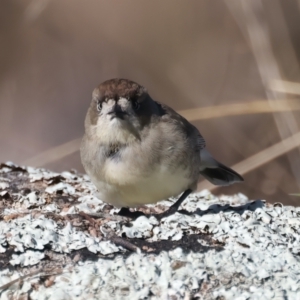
pixel 125 212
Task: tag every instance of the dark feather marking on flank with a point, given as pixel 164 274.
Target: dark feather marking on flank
pixel 113 150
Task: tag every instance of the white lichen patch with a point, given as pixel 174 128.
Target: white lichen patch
pixel 140 228
pixel 40 174
pixel 60 187
pixel 4 185
pixel 32 199
pixel 30 233
pixel 28 258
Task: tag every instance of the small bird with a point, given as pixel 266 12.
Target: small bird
pixel 139 151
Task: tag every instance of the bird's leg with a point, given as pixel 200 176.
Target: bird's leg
pixel 125 212
pixel 173 208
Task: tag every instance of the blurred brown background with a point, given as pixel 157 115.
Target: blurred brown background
pixel 189 54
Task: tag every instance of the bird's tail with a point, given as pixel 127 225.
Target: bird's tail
pixel 215 172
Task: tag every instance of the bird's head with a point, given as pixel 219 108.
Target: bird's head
pixel 120 108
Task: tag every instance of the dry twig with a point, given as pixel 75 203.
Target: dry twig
pixel 38 273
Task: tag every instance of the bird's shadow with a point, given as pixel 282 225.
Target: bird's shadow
pixel 191 242
pixel 217 208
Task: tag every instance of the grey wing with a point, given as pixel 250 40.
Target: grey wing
pixel 211 169
pixel 185 125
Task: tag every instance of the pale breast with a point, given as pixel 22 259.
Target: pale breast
pixel 122 190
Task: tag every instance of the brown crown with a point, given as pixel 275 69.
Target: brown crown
pixel 116 88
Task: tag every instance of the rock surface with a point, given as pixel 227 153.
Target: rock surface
pixel 214 248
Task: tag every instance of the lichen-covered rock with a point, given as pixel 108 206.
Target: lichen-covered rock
pixel 215 248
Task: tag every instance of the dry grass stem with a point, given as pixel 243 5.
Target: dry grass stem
pixel 287 87
pixel 254 107
pixel 54 154
pixel 252 18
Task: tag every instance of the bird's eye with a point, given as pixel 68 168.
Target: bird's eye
pixel 99 106
pixel 135 105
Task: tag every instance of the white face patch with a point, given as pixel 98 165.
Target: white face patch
pixel 111 129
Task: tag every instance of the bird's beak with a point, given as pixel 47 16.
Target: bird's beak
pixel 117 112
